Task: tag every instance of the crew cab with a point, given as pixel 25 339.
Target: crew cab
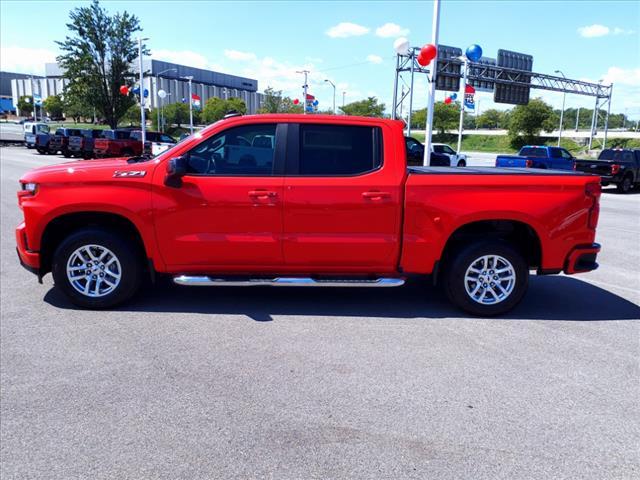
pixel 81 145
pixel 618 166
pixel 533 156
pixel 303 200
pixel 31 131
pixel 60 141
pixel 116 143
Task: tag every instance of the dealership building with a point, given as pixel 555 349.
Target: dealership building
pixel 170 77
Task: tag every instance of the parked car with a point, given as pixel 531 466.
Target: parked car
pixel 415 155
pixel 116 143
pixel 534 156
pixel 60 141
pixel 618 166
pixel 31 130
pixel 155 142
pixel 82 145
pixel 455 159
pixel 303 200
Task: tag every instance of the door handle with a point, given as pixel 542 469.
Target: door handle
pixel 375 195
pixel 262 193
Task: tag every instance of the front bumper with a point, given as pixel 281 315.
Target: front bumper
pixel 582 259
pixel 28 259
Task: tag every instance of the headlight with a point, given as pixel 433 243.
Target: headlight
pixel 30 187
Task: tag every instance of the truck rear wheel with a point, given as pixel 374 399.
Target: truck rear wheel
pixel 96 269
pixel 486 278
pixel 626 184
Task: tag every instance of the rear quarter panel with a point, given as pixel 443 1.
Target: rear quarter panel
pixel 556 207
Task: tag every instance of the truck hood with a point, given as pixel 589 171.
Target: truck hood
pixel 85 170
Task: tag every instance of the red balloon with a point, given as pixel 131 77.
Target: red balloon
pixel 447 100
pixel 427 53
pixel 124 90
pixel 296 101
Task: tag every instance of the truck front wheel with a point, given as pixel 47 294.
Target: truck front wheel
pixel 96 268
pixel 486 278
pixel 626 184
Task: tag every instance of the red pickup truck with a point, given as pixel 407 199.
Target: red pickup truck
pixel 116 143
pixel 303 200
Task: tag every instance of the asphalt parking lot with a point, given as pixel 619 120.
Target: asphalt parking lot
pixel 339 383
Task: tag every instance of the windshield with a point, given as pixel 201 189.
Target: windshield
pixel 616 155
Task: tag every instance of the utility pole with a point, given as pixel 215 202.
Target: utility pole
pixel 143 120
pixel 594 118
pixel 190 78
pixel 343 95
pixel 33 100
pixel 304 90
pixel 577 118
pixel 564 96
pixel 435 29
pixel 334 94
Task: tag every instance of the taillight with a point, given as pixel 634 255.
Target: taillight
pixel 528 163
pixel 574 166
pixel 615 168
pixel 592 190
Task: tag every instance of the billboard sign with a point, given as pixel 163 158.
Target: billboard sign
pixel 509 93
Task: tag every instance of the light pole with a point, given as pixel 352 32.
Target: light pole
pixel 435 30
pixel 343 95
pixel 464 89
pixel 564 96
pixel 190 78
pixel 304 89
pixel 577 118
pixel 624 118
pixel 163 119
pixel 158 89
pixel 143 120
pixel 334 94
pixel 33 99
pixel 594 117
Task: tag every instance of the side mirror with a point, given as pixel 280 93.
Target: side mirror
pixel 176 169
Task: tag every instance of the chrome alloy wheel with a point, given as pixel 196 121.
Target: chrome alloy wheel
pixel 490 279
pixel 94 271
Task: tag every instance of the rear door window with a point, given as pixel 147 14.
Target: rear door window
pixel 339 150
pixel 533 152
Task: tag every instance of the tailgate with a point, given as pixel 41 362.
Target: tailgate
pixel 597 167
pixel 75 143
pixel 511 161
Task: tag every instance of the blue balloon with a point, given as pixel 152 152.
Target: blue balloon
pixel 315 103
pixel 136 90
pixel 146 93
pixel 454 96
pixel 474 52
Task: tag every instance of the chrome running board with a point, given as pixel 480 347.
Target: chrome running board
pixel 206 281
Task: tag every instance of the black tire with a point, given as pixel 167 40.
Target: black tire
pixel 42 151
pixel 66 154
pixel 626 184
pixel 128 256
pixel 456 268
pixel 462 163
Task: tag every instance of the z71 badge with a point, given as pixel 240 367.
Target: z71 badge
pixel 129 173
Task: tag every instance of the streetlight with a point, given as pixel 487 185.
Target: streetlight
pixel 304 89
pixel 343 95
pixel 163 121
pixel 190 78
pixel 157 89
pixel 564 96
pixel 143 120
pixel 334 94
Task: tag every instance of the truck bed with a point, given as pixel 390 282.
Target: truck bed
pixel 490 171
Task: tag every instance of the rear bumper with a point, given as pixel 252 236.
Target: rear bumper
pixel 582 259
pixel 28 259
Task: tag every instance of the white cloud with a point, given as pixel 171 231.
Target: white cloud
pixel 181 57
pixel 25 60
pixel 374 59
pixel 347 29
pixel 595 30
pixel 241 56
pixel 621 76
pixel 391 30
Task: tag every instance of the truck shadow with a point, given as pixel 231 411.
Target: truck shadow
pixel 548 298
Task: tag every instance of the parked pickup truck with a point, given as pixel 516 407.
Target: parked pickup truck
pixel 60 141
pixel 116 143
pixel 155 142
pixel 415 154
pixel 31 131
pixel 532 156
pixel 42 143
pixel 82 145
pixel 303 200
pixel 615 165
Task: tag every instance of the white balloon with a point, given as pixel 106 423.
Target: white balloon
pixel 162 93
pixel 401 46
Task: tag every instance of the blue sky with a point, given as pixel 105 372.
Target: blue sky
pixel 271 40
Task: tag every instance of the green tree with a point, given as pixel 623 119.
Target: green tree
pixel 489 119
pixel 176 113
pixel 25 105
pixel 419 119
pixel 216 108
pixel 528 120
pixel 370 107
pixel 274 102
pixel 132 116
pixel 54 106
pixel 76 108
pixel 446 116
pixel 97 58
